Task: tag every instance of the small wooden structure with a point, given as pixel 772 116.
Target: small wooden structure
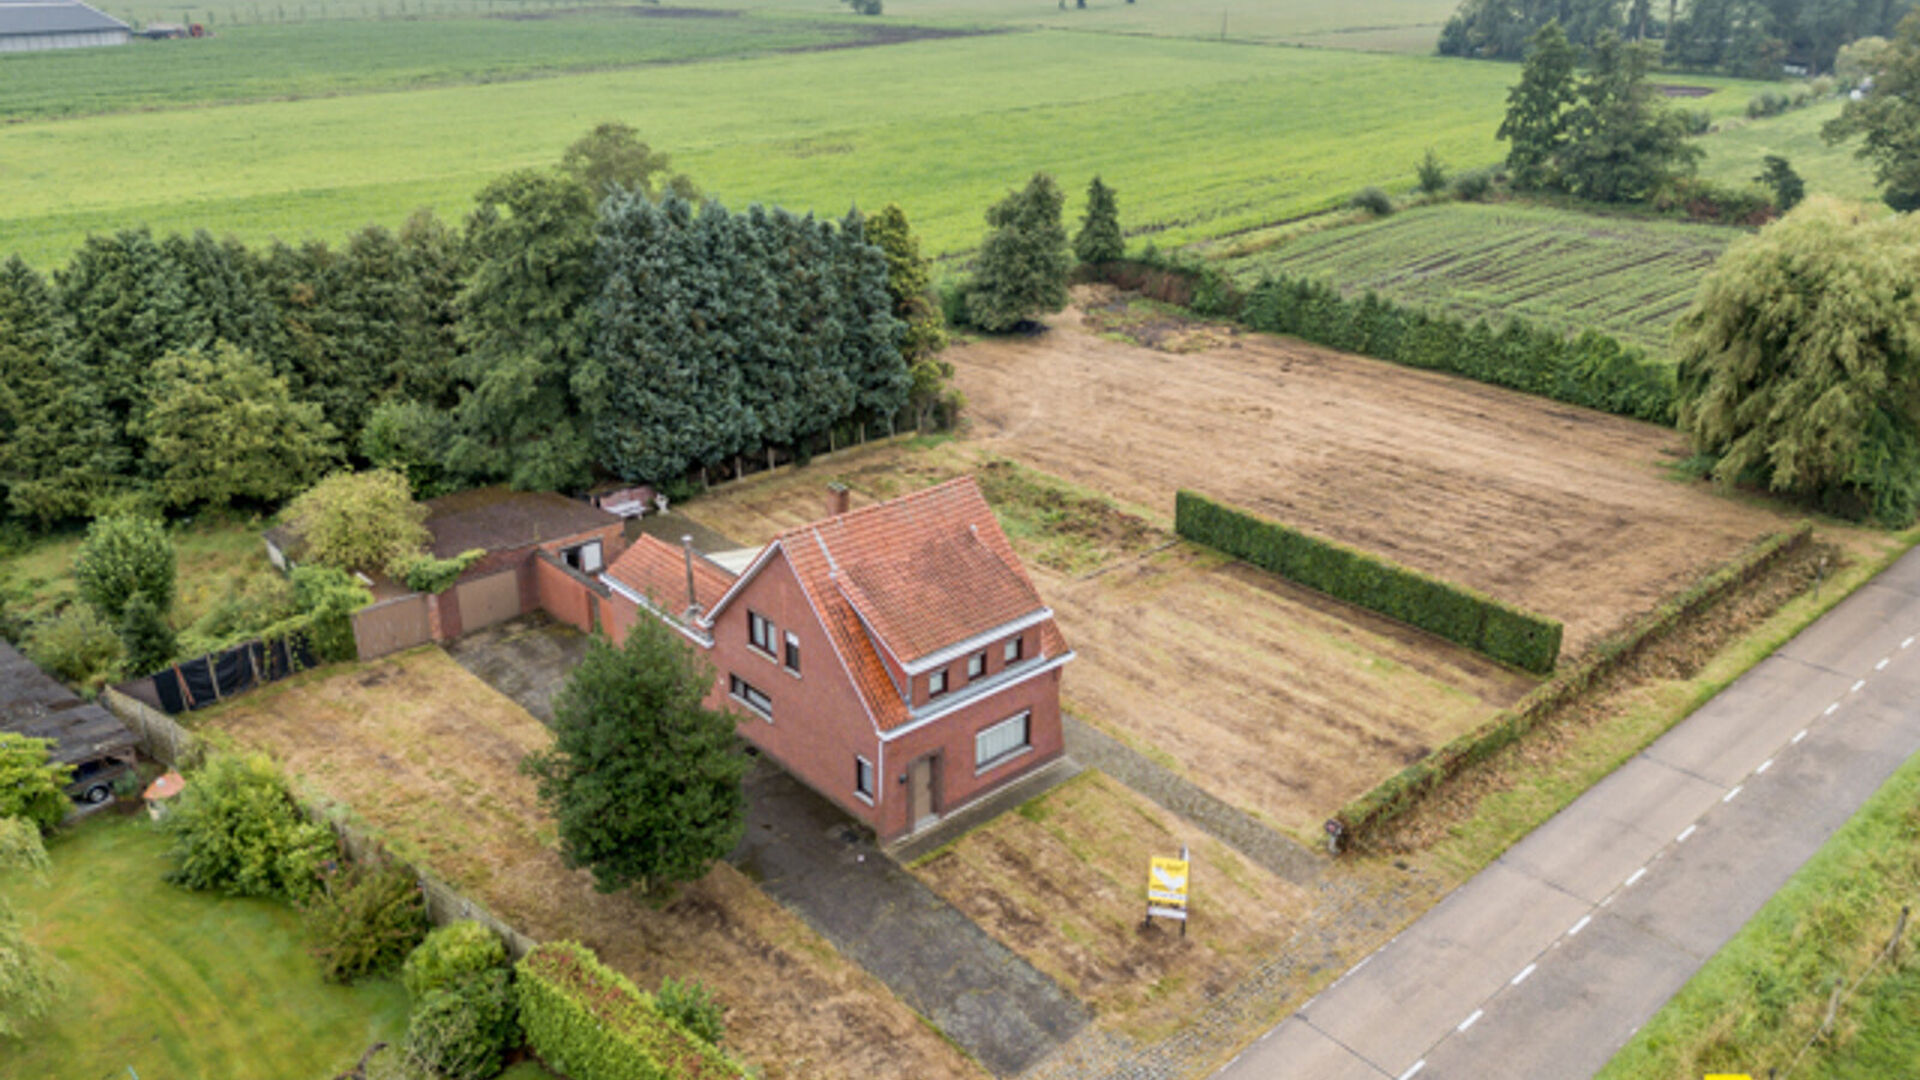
pixel 84 735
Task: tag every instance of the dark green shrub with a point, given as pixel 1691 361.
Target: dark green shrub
pixel 1768 103
pixel 236 830
pixel 327 599
pixel 953 303
pixel 1478 622
pixel 121 556
pixel 694 1007
pixel 1473 186
pixel 364 920
pixel 77 646
pixel 1697 121
pixel 30 782
pixel 1432 173
pixel 451 954
pixel 463 1031
pixel 1373 201
pixel 590 1023
pixel 145 636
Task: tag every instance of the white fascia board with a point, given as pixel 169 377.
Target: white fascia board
pixel 950 707
pixel 978 641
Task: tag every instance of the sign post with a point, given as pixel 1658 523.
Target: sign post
pixel 1167 889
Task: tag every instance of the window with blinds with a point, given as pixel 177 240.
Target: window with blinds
pixel 1003 740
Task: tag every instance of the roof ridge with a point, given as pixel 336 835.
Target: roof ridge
pixel 895 502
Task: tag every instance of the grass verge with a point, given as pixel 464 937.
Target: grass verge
pixel 1764 993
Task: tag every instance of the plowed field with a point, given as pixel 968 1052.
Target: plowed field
pixel 1567 512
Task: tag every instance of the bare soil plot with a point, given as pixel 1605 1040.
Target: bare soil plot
pixel 1272 697
pixel 1062 882
pixel 427 754
pixel 1567 512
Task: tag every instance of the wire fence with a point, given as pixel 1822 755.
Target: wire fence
pixel 1888 955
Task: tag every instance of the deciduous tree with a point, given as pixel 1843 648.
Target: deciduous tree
pixel 1887 119
pixel 642 779
pixel 1800 360
pixel 1622 144
pixel 123 556
pixel 612 158
pixel 30 783
pixel 1023 264
pixel 359 521
pixel 29 978
pixel 222 427
pixel 1788 189
pixel 1539 108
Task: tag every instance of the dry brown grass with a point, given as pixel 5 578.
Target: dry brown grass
pixel 1062 882
pixel 427 755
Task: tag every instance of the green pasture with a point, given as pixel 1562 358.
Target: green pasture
pixel 1200 138
pixel 180 984
pixel 219 15
pixel 1627 276
pixel 1734 154
pixel 1757 1000
pixel 320 58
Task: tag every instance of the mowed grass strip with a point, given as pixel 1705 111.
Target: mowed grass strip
pixel 320 58
pixel 1735 155
pixel 1625 276
pixel 172 983
pixel 1766 991
pixel 1199 138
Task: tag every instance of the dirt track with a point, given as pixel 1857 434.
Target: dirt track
pixel 1561 510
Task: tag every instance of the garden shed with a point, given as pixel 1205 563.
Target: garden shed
pixel 85 736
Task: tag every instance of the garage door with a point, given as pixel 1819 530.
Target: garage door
pixel 488 600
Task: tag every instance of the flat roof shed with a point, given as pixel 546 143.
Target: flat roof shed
pixel 35 704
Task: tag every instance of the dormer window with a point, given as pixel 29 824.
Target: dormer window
pixel 936 684
pixel 1013 649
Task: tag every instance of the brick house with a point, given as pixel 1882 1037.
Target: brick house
pixel 895 658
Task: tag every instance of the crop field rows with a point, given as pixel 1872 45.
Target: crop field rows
pixel 1629 278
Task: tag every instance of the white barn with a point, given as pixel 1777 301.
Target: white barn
pixel 32 25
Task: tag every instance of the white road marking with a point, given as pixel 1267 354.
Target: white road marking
pixel 1415 1070
pixel 1882 665
pixel 1607 899
pixel 1581 925
pixel 1831 709
pixel 1682 838
pixel 1522 977
pixel 1637 875
pixel 1857 686
pixel 1471 1020
pixel 1802 735
pixel 1728 797
pixel 1906 643
pixel 1363 963
pixel 1764 766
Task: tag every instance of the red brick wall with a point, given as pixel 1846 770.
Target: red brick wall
pixel 616 616
pixel 996 653
pixel 562 596
pixel 950 740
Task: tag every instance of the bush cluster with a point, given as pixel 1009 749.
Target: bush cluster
pixel 237 830
pixel 363 920
pixel 1478 622
pixel 589 1022
pixel 1591 370
pixel 1401 792
pixel 1372 200
pixel 464 1016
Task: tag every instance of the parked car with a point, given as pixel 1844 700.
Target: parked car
pixel 93 780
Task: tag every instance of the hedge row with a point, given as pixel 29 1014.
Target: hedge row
pixel 1403 791
pixel 1590 370
pixel 1481 623
pixel 589 1022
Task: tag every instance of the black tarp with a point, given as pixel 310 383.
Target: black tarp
pixel 190 684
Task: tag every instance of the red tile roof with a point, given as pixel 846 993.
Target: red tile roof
pixel 658 570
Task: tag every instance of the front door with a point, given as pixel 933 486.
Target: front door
pixel 920 784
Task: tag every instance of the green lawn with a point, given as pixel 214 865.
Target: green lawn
pixel 1200 138
pixel 214 558
pixel 1753 1004
pixel 178 984
pixel 312 59
pixel 1630 277
pixel 1734 155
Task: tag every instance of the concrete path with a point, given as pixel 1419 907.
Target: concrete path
pixel 810 857
pixel 1544 964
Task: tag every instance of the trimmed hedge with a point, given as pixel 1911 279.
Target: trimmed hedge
pixel 1481 623
pixel 590 1023
pixel 1403 791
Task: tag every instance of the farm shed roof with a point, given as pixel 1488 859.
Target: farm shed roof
pixel 32 703
pixel 498 519
pixel 20 18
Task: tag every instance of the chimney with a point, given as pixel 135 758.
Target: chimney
pixel 693 601
pixel 839 500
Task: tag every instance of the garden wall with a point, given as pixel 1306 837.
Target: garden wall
pixel 1405 790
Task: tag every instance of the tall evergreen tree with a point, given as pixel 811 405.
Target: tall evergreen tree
pixel 1623 144
pixel 876 372
pixel 1023 264
pixel 145 635
pixel 1099 239
pixel 525 327
pixel 1539 109
pixel 909 284
pixel 433 261
pixel 58 452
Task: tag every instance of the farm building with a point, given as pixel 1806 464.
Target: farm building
pixel 895 658
pixel 35 25
pixel 512 527
pixel 85 736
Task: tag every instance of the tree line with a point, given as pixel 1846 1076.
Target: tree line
pixel 587 321
pixel 1749 38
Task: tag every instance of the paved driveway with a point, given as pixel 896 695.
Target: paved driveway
pixel 527 659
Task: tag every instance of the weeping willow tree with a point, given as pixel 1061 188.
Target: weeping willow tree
pixel 1800 361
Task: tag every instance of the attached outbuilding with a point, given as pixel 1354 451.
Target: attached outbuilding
pixel 89 738
pixel 37 25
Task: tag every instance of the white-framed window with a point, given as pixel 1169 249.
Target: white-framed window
pixel 863 778
pixel 1003 741
pixel 793 652
pixel 587 558
pixel 762 634
pixel 937 683
pixel 1013 648
pixel 976 666
pixel 751 696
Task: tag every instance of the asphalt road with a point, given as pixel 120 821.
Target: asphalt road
pixel 1547 961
